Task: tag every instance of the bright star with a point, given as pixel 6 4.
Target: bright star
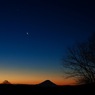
pixel 27 33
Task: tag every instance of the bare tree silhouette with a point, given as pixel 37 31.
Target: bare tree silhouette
pixel 80 62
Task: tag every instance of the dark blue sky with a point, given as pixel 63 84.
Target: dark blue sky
pixel 52 26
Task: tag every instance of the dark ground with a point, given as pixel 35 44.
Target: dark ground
pixel 9 89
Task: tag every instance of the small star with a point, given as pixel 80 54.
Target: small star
pixel 27 33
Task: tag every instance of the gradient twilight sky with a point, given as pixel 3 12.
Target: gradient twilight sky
pixel 52 26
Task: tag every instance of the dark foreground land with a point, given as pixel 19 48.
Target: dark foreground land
pixel 40 90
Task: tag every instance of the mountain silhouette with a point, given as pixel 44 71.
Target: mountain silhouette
pixel 6 82
pixel 47 83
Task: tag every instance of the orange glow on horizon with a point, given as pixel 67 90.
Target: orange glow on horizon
pixel 62 82
pixel 22 77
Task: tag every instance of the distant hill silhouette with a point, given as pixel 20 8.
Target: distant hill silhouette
pixel 47 83
pixel 45 88
pixel 6 82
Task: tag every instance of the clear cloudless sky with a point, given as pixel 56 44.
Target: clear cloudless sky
pixel 35 34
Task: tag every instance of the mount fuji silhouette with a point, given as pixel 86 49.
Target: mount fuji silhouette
pixel 47 83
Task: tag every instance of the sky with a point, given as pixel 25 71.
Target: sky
pixel 35 35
